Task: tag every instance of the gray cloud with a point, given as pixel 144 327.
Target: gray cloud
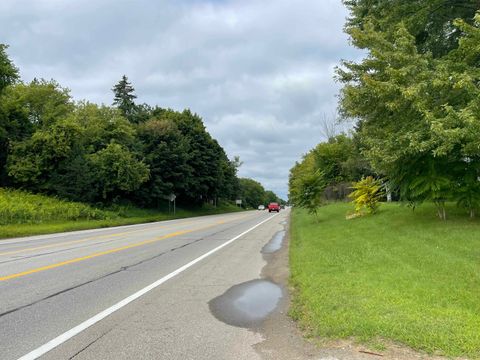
pixel 258 72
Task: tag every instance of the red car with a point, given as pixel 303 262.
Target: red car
pixel 273 207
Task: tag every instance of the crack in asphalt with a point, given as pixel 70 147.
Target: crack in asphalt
pixel 123 268
pixel 88 345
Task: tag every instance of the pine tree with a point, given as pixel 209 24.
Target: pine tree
pixel 124 98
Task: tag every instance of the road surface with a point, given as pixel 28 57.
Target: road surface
pixel 135 292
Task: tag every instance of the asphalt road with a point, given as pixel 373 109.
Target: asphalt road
pixel 89 288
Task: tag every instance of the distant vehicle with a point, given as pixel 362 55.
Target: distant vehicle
pixel 261 207
pixel 273 207
pixel 283 206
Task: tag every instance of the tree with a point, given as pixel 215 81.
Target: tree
pixel 205 157
pixel 416 110
pixel 115 171
pixel 430 22
pixel 124 98
pixel 252 193
pixel 310 188
pixel 270 196
pixel 69 156
pixel 8 71
pixel 26 107
pixel 166 153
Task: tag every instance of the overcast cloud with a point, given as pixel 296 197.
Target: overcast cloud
pixel 259 72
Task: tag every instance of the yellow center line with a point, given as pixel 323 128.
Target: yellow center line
pixel 13 252
pixel 115 250
pixel 88 239
pixel 102 253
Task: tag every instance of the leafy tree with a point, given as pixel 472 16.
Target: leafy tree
pixel 430 22
pixel 8 71
pixel 25 107
pixel 124 98
pixel 418 121
pixel 270 196
pixel 297 172
pixel 310 188
pixel 116 170
pixel 252 192
pixel 205 157
pixel 166 153
pixel 33 161
pixel 69 156
pixel 340 160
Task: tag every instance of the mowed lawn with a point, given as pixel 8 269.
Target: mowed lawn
pixel 399 276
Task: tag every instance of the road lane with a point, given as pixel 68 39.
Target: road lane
pixel 36 307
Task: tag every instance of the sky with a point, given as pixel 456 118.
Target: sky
pixel 259 72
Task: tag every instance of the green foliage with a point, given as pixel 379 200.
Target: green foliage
pixel 26 107
pixel 19 207
pixel 115 169
pixel 467 193
pixel 429 21
pixel 90 153
pixel 416 100
pixel 309 191
pixel 367 194
pixel 8 71
pixel 252 193
pixel 167 157
pixel 338 160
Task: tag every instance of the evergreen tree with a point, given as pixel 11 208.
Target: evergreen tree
pixel 124 98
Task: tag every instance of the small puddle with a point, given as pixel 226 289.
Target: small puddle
pixel 284 222
pixel 275 244
pixel 247 304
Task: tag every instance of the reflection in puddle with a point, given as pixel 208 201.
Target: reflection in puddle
pixel 246 304
pixel 274 244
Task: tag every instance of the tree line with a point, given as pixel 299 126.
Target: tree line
pixel 101 154
pixel 415 100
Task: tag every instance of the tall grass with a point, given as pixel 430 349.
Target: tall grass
pixel 23 213
pixel 20 207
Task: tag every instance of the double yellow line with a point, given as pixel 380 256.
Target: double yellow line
pixel 86 239
pixel 102 253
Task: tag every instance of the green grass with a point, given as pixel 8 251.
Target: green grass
pixel 22 214
pixel 400 276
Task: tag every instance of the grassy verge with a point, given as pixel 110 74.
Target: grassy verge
pixel 23 214
pixel 397 276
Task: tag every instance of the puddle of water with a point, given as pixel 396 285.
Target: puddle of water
pixel 247 304
pixel 275 244
pixel 284 222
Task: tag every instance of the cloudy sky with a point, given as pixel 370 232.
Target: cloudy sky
pixel 259 72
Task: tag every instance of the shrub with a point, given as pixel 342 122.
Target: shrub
pixel 367 194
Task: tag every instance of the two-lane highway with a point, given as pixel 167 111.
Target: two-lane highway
pixel 52 284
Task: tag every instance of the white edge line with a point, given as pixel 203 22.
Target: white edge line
pixel 34 354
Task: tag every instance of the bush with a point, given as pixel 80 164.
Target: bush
pixel 367 194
